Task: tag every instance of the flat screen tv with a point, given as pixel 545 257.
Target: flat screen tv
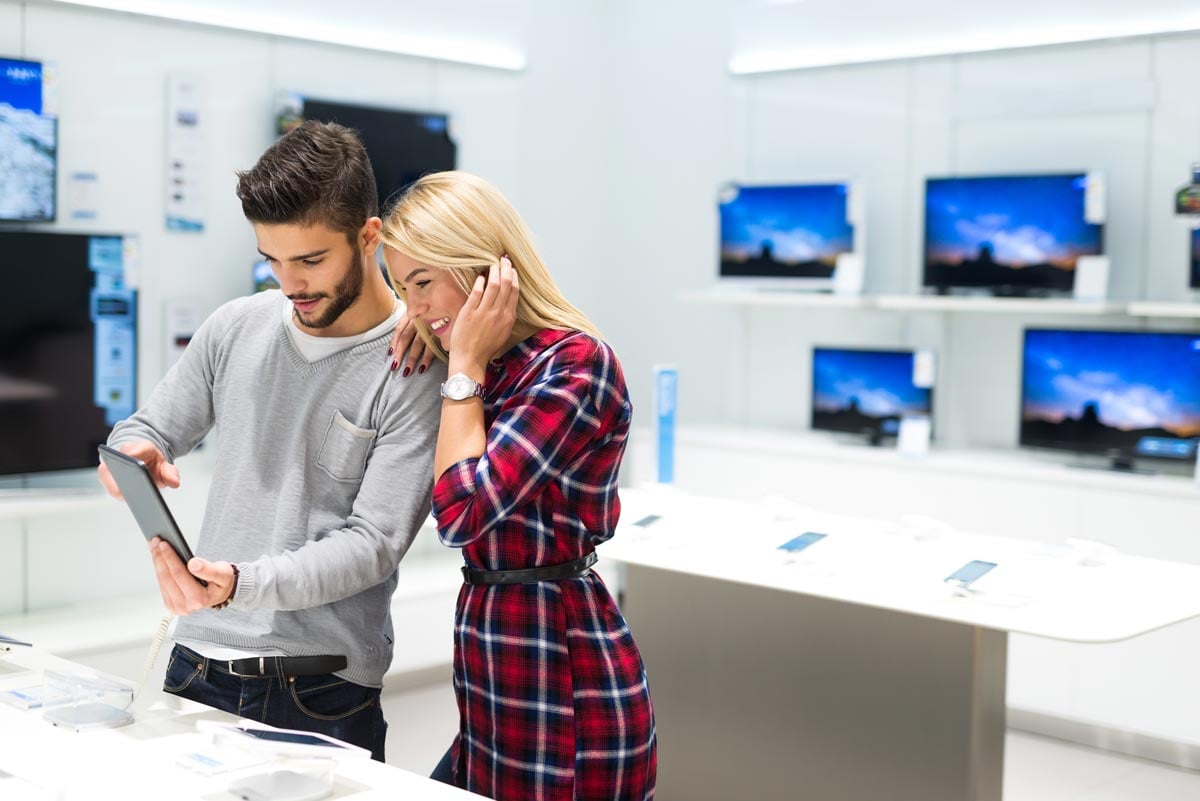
pixel 1123 394
pixel 68 348
pixel 1195 281
pixel 263 277
pixel 28 145
pixel 867 392
pixel 785 235
pixel 1008 234
pixel 402 145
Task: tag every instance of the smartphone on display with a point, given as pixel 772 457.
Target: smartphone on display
pixel 797 544
pixel 286 741
pixel 145 501
pixel 966 575
pixel 648 520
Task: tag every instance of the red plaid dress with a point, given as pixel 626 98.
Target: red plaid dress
pixel 552 694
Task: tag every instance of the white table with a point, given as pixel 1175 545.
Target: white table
pixel 43 762
pixel 851 671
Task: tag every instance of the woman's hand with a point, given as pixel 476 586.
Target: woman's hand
pixel 408 347
pixel 485 322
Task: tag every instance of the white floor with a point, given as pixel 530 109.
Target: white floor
pixel 423 721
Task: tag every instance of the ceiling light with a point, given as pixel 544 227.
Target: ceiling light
pixel 484 54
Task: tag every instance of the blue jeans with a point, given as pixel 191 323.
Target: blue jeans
pixel 444 772
pixel 323 704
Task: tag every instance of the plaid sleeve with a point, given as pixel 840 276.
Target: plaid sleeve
pixel 537 434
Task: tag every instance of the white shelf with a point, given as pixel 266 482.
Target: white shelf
pixel 952 303
pixel 1008 465
pixel 35 503
pixel 765 297
pixel 933 303
pixel 1154 309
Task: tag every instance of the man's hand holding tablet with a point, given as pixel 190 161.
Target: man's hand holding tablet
pixel 187 583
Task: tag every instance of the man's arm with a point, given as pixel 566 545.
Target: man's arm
pixel 180 410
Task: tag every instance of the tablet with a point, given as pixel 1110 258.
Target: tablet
pixel 145 501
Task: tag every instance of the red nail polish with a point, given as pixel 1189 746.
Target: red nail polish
pixel 390 351
pixel 421 369
pixel 395 364
pixel 407 370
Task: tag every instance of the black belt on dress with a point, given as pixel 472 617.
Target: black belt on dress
pixel 568 570
pixel 256 666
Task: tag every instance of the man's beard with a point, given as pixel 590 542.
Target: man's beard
pixel 348 290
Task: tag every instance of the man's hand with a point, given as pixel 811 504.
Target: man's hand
pixel 182 594
pixel 411 348
pixel 165 474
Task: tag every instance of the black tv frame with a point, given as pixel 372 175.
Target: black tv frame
pixel 1007 290
pixel 874 437
pixel 1118 459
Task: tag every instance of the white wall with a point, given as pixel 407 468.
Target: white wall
pixel 535 133
pixel 1122 108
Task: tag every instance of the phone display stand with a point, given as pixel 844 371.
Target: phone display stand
pixel 82 702
pixel 298 780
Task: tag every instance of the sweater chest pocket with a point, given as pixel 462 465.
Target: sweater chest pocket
pixel 345 449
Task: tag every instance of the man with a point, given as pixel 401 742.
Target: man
pixel 324 469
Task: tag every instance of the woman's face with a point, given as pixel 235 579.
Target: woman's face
pixel 433 296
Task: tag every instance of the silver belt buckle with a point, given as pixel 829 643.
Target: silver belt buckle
pixel 261 669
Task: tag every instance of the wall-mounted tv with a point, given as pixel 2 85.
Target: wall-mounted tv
pixel 1123 394
pixel 262 276
pixel 1008 234
pixel 28 145
pixel 785 235
pixel 68 348
pixel 1195 282
pixel 867 392
pixel 403 145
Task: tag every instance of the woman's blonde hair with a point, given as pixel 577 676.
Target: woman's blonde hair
pixel 460 223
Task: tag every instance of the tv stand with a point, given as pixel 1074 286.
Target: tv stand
pixel 1117 461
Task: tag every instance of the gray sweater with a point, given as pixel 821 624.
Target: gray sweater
pixel 323 478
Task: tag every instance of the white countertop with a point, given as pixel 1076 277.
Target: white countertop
pixel 139 761
pixel 1042 590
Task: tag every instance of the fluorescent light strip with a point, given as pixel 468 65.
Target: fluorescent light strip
pixel 482 54
pixel 812 58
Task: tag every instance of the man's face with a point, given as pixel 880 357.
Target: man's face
pixel 317 268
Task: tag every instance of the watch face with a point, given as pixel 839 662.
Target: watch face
pixel 458 387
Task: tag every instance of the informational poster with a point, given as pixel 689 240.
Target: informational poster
pixel 185 153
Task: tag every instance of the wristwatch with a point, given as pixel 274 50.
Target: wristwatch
pixel 460 387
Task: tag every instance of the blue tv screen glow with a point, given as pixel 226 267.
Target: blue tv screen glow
pixel 784 231
pixel 865 391
pixel 1195 282
pixel 1127 392
pixel 28 145
pixel 1018 232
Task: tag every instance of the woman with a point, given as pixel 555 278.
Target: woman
pixel 552 694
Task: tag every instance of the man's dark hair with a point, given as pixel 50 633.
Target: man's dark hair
pixel 317 173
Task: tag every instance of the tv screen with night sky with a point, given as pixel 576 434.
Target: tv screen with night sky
pixel 865 391
pixel 1007 234
pixel 1119 392
pixel 1195 284
pixel 784 231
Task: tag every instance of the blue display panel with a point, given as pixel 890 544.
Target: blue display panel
pixel 784 231
pixel 28 144
pixel 1119 392
pixel 1014 233
pixel 68 348
pixel 1195 282
pixel 866 391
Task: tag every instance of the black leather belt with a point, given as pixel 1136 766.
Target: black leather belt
pixel 257 666
pixel 568 570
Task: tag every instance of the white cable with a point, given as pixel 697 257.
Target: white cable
pixel 160 636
